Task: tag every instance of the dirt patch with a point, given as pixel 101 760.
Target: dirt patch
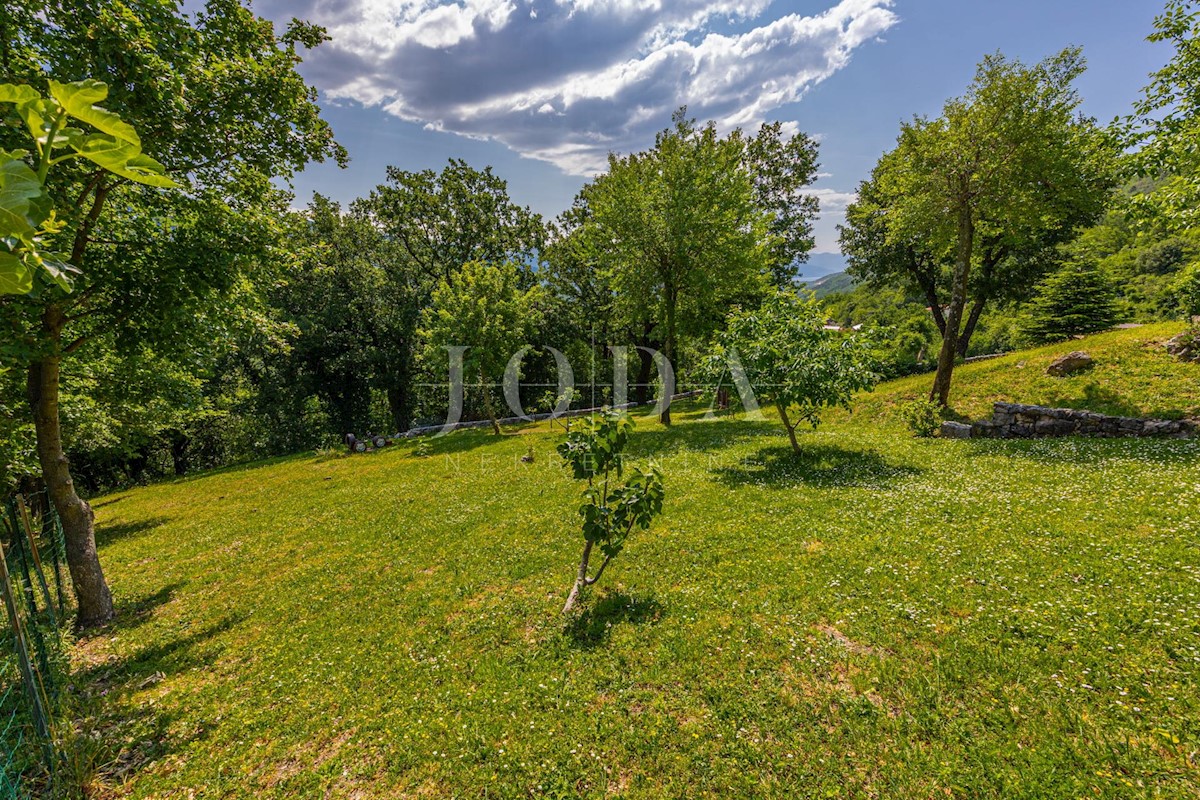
pixel 845 641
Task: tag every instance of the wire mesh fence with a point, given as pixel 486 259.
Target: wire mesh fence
pixel 33 658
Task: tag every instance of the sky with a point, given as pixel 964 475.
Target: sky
pixel 543 90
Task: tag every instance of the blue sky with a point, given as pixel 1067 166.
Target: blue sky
pixel 542 89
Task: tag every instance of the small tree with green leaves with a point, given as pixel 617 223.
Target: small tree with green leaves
pixel 921 415
pixel 1076 300
pixel 613 505
pixel 792 362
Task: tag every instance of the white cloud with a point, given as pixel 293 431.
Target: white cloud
pixel 831 199
pixel 568 81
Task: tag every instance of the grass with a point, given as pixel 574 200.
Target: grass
pixel 880 617
pixel 1133 376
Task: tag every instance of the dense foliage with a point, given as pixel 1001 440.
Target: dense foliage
pixel 961 211
pixel 1075 300
pixel 481 314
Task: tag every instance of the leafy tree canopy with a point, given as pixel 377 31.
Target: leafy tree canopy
pixel 481 307
pixel 1165 124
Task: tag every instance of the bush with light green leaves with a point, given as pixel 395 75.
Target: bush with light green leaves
pixel 28 219
pixel 613 505
pixel 922 416
pixel 1186 289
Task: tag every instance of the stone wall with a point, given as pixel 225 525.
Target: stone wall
pixel 1016 421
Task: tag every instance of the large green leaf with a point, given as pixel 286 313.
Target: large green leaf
pixel 12 93
pixel 20 190
pixel 122 158
pixel 144 169
pixel 39 116
pixel 15 277
pixel 78 99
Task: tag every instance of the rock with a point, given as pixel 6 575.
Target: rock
pixel 1185 346
pixel 1070 364
pixel 986 429
pixel 955 430
pixel 1161 427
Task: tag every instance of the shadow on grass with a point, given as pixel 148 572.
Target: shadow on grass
pixel 593 625
pixel 468 439
pixel 821 465
pixel 233 469
pixel 128 732
pixel 1107 401
pixel 107 534
pixel 108 501
pixel 692 434
pixel 131 612
pixel 1096 398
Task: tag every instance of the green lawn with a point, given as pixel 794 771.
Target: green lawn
pixel 1133 376
pixel 881 617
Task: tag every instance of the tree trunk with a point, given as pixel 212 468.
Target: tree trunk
pixel 180 457
pixel 581 580
pixel 964 339
pixel 669 348
pixel 940 392
pixel 791 429
pixel 135 467
pixel 91 592
pixel 398 407
pixel 487 406
pixel 641 391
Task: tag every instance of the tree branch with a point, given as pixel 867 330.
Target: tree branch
pixel 596 577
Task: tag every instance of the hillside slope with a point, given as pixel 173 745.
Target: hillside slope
pixel 829 284
pixel 1133 376
pixel 881 616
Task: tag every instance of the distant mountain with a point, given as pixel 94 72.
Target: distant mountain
pixel 829 284
pixel 821 264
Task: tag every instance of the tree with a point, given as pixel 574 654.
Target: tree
pixel 782 171
pixel 483 308
pixel 436 222
pixel 580 317
pixel 970 206
pixel 353 300
pixel 217 101
pixel 1073 301
pixel 790 361
pixel 1165 123
pixel 611 510
pixel 680 231
pixel 443 220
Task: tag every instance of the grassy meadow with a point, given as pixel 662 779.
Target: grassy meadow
pixel 883 616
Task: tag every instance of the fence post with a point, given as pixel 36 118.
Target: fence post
pixel 29 677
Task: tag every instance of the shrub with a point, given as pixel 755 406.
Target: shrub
pixel 921 416
pixel 1186 289
pixel 611 509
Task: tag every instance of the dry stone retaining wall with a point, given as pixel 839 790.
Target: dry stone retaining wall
pixel 1016 421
